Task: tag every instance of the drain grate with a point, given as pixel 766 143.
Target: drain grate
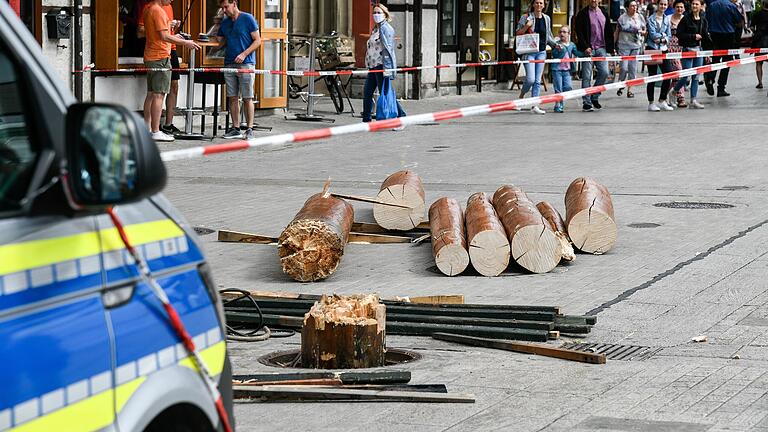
pixel 201 231
pixel 435 151
pixel 693 205
pixel 616 352
pixel 644 225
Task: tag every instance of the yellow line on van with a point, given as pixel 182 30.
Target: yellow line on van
pixel 93 413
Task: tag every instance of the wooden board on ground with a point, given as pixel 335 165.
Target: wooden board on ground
pixel 310 393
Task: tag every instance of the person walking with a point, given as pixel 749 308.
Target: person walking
pixel 632 29
pixel 239 34
pixel 724 20
pixel 157 55
pixel 535 21
pixel 379 55
pixel 674 47
pixel 760 38
pixel 659 35
pixel 594 37
pixel 561 72
pixel 692 32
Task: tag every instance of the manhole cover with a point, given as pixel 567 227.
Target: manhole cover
pixel 732 188
pixel 292 358
pixel 693 205
pixel 615 352
pixel 644 225
pixel 201 231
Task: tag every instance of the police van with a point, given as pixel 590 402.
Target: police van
pixel 85 340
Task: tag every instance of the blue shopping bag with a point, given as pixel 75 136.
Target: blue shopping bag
pixel 386 106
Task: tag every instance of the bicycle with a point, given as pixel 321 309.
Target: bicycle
pixel 328 59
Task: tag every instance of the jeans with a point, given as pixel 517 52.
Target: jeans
pixel 533 72
pixel 687 64
pixel 373 81
pixel 562 82
pixel 586 75
pixel 628 67
pixel 720 41
pixel 665 66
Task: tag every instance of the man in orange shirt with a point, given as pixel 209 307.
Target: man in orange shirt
pixel 157 53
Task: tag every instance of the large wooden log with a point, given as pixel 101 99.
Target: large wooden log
pixel 557 225
pixel 341 332
pixel 402 188
pixel 488 245
pixel 311 246
pixel 449 243
pixel 589 216
pixel 532 244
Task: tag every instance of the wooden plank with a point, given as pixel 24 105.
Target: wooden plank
pixel 368 200
pixel 348 378
pixel 526 348
pixel 357 238
pixel 433 299
pixel 373 228
pixel 242 237
pixel 309 393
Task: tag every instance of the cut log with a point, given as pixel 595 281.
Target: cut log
pixel 533 245
pixel 556 224
pixel 449 243
pixel 311 246
pixel 488 245
pixel 402 188
pixel 589 216
pixel 344 333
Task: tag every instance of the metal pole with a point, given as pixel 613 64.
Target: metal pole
pixel 311 95
pixel 78 48
pixel 190 93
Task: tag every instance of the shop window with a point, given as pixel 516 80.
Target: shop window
pixel 448 25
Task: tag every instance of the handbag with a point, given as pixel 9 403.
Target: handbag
pixel 655 61
pixel 386 105
pixel 527 43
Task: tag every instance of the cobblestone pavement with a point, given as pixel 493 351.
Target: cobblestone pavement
pixel 673 275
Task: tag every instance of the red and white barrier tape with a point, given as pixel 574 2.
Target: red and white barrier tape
pixel 315 134
pixel 640 57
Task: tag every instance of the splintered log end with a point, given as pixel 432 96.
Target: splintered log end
pixel 592 231
pixel 309 250
pixel 489 252
pixel 452 259
pixel 344 332
pixel 566 247
pixel 536 248
pixel 399 218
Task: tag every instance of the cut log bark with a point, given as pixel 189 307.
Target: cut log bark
pixel 488 245
pixel 449 243
pixel 557 225
pixel 532 243
pixel 589 216
pixel 344 332
pixel 402 188
pixel 311 246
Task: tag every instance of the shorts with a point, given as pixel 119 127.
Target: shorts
pixel 175 64
pixel 159 81
pixel 240 83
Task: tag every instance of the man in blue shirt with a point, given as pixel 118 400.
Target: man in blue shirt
pixel 724 21
pixel 239 33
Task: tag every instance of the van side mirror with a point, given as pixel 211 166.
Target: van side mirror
pixel 111 157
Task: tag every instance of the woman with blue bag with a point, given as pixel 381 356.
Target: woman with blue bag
pixel 380 55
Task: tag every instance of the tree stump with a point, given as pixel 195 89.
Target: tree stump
pixel 556 224
pixel 589 216
pixel 449 243
pixel 311 246
pixel 344 332
pixel 533 245
pixel 488 245
pixel 401 188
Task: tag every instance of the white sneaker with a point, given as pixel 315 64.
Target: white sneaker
pixel 162 136
pixel 537 110
pixel 399 128
pixel 665 106
pixel 696 105
pixel 653 107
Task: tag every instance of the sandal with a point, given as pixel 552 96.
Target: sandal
pixel 630 95
pixel 759 86
pixel 619 92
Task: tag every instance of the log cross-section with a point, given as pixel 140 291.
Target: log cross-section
pixel 557 225
pixel 342 332
pixel 449 243
pixel 488 245
pixel 404 189
pixel 311 246
pixel 532 243
pixel 589 216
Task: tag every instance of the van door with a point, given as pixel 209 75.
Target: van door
pixel 55 349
